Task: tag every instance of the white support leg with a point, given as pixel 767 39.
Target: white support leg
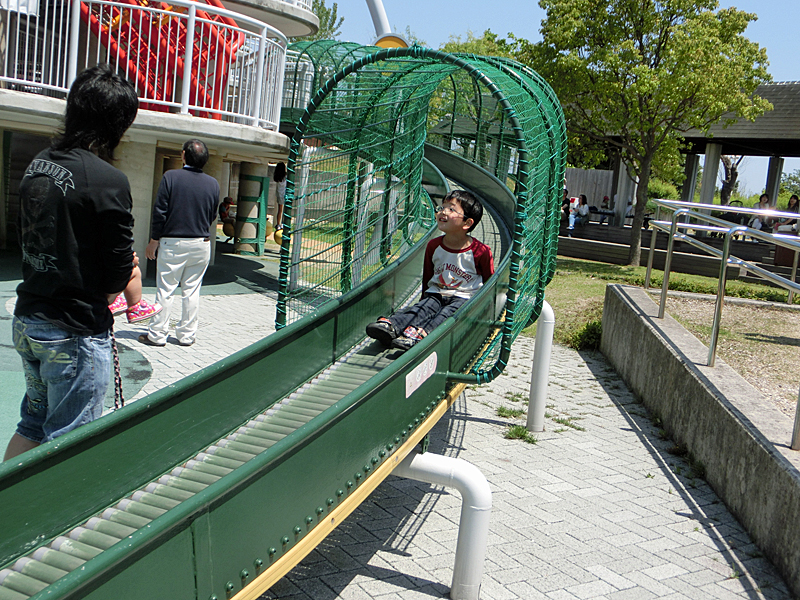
pixel 476 508
pixel 541 368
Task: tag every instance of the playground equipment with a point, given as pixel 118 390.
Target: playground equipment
pixel 216 486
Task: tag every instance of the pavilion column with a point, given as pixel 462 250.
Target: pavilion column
pixel 710 171
pixel 690 183
pixel 626 192
pixel 774 172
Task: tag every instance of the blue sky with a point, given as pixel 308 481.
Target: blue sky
pixel 436 20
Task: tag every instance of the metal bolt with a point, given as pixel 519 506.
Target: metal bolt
pixel 258 563
pixel 357 476
pixel 320 510
pixel 397 439
pixel 244 575
pixel 309 520
pixel 285 540
pixel 374 460
pixel 382 453
pixel 367 468
pixel 272 551
pixel 340 493
pixel 349 484
pixel 403 433
pixel 329 501
pixel 297 530
pixel 213 597
pixel 229 586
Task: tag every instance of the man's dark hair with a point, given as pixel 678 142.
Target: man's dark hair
pixel 101 105
pixel 469 204
pixel 196 153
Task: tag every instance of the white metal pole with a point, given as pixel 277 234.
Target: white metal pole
pixel 537 399
pixel 74 40
pixel 379 18
pixel 476 508
pixel 187 59
pixel 262 49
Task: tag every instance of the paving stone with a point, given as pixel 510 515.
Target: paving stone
pixel 582 514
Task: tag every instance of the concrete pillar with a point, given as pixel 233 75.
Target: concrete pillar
pixel 626 192
pixel 3 188
pixel 138 161
pixel 690 183
pixel 774 171
pixel 708 185
pixel 216 168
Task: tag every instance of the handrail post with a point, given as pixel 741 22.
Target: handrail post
pixel 794 275
pixel 723 276
pixel 668 261
pixel 653 235
pixel 796 430
pixel 74 40
pixel 262 46
pixel 187 60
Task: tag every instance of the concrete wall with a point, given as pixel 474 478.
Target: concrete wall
pixel 726 424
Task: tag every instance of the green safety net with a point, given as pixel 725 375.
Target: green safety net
pixel 354 199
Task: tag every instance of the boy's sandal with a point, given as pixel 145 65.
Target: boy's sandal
pixel 383 331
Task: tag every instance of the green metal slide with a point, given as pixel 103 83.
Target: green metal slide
pixel 216 486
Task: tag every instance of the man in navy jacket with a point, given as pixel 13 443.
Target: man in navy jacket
pixel 185 208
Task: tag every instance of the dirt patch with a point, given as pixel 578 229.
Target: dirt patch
pixel 760 342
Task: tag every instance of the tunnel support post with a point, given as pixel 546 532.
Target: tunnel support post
pixel 542 350
pixel 476 507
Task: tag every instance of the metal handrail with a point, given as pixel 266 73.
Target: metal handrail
pixel 682 209
pixel 185 57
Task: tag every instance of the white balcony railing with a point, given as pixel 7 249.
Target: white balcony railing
pixel 182 57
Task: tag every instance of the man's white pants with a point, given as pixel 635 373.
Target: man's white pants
pixel 180 262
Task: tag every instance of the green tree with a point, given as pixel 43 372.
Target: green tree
pixel 489 44
pixel 638 73
pixel 790 182
pixel 330 22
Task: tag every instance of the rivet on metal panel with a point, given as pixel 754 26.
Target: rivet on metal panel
pixel 258 563
pixel 403 433
pixel 416 421
pixel 245 575
pixel 213 597
pixel 285 540
pixel 297 529
pixel 357 476
pixel 272 551
pixel 374 460
pixel 422 415
pixel 389 447
pixel 367 468
pixel 349 484
pixel 228 589
pixel 382 453
pixel 340 493
pixel 309 520
pixel 320 510
pixel 329 501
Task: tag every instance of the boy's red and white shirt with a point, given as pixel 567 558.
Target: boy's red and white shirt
pixel 456 272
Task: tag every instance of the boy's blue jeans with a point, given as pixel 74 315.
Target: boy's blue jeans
pixel 66 376
pixel 428 313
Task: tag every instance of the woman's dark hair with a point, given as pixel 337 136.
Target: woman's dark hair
pixel 796 201
pixel 101 105
pixel 469 204
pixel 280 172
pixel 583 198
pixel 195 153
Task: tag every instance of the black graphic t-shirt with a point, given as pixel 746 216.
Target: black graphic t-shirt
pixel 76 233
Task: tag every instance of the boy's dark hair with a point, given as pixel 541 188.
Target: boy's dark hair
pixel 101 105
pixel 469 204
pixel 196 153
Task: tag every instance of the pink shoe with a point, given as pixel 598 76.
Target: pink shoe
pixel 142 311
pixel 118 306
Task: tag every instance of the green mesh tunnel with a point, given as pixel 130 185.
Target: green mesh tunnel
pixel 355 201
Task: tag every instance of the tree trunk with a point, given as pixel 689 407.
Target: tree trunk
pixel 635 254
pixel 731 166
